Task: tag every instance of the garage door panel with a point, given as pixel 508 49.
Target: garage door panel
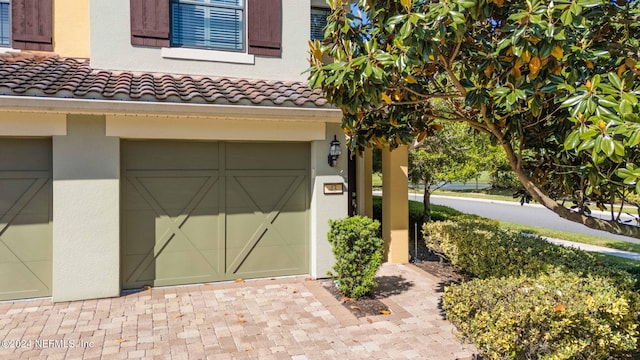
pixel 202 230
pixel 35 154
pixel 266 156
pixel 25 218
pixel 25 241
pixel 12 190
pixel 153 155
pixel 254 245
pixel 212 224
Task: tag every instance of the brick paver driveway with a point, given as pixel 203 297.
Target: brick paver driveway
pixel 285 318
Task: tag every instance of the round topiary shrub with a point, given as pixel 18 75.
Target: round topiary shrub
pixel 358 252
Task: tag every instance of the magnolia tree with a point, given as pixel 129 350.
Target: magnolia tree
pixel 554 83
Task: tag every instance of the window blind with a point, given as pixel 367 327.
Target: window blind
pixel 318 22
pixel 5 34
pixel 215 24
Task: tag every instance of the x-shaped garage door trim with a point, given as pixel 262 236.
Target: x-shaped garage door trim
pixel 174 225
pixel 40 179
pixel 267 221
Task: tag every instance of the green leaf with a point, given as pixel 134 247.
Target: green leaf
pixel 607 145
pixel 634 139
pixel 573 100
pixel 467 3
pixel 606 102
pixel 572 141
pixel 467 83
pixel 614 80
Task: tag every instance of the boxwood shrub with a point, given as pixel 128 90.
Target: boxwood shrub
pixel 358 251
pixel 532 299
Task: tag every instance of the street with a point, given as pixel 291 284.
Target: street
pixel 528 214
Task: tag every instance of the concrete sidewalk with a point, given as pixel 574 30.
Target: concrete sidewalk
pixel 285 318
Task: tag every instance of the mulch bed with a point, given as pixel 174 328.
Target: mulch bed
pixel 423 258
pixel 366 306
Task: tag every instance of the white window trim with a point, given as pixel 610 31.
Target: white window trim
pixel 207 55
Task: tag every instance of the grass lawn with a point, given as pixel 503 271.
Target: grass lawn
pixel 569 236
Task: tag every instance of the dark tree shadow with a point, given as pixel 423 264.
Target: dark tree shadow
pixel 392 285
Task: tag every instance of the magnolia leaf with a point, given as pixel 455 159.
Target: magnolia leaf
pixel 607 145
pixel 410 79
pixel 534 66
pixel 386 98
pixel 557 52
pixel 572 141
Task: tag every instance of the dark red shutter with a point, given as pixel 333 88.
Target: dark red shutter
pixel 150 23
pixel 265 27
pixel 32 25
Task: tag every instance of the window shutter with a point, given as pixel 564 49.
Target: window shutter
pixel 150 22
pixel 32 25
pixel 265 27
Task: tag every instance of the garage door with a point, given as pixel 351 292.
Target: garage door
pixel 197 212
pixel 25 218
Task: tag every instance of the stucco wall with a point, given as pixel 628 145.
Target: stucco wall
pixel 323 206
pixel 71 28
pixel 111 46
pixel 86 211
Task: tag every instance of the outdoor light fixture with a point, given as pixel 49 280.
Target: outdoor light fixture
pixel 334 151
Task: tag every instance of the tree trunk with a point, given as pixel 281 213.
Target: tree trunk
pixel 537 194
pixel 426 202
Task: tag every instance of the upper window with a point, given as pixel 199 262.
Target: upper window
pixel 212 24
pixel 246 26
pixel 318 22
pixel 5 26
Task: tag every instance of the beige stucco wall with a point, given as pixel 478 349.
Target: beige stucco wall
pixel 86 211
pixel 13 123
pixel 111 46
pixel 325 207
pixel 200 128
pixel 395 204
pixel 71 28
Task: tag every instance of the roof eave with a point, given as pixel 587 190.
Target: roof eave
pixel 116 107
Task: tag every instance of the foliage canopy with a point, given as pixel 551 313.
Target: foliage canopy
pixel 555 83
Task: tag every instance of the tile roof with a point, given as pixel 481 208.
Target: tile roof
pixel 41 75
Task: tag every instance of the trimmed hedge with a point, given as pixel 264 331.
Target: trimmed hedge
pixel 533 299
pixel 416 212
pixel 481 248
pixel 555 316
pixel 358 252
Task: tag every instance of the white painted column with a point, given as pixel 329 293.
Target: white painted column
pixel 86 211
pixel 326 206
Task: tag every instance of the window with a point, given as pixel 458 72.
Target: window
pixel 211 24
pixel 5 26
pixel 318 22
pixel 243 26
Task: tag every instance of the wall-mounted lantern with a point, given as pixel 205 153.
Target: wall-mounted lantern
pixel 334 151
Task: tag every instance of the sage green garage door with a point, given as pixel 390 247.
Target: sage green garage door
pixel 197 212
pixel 25 218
